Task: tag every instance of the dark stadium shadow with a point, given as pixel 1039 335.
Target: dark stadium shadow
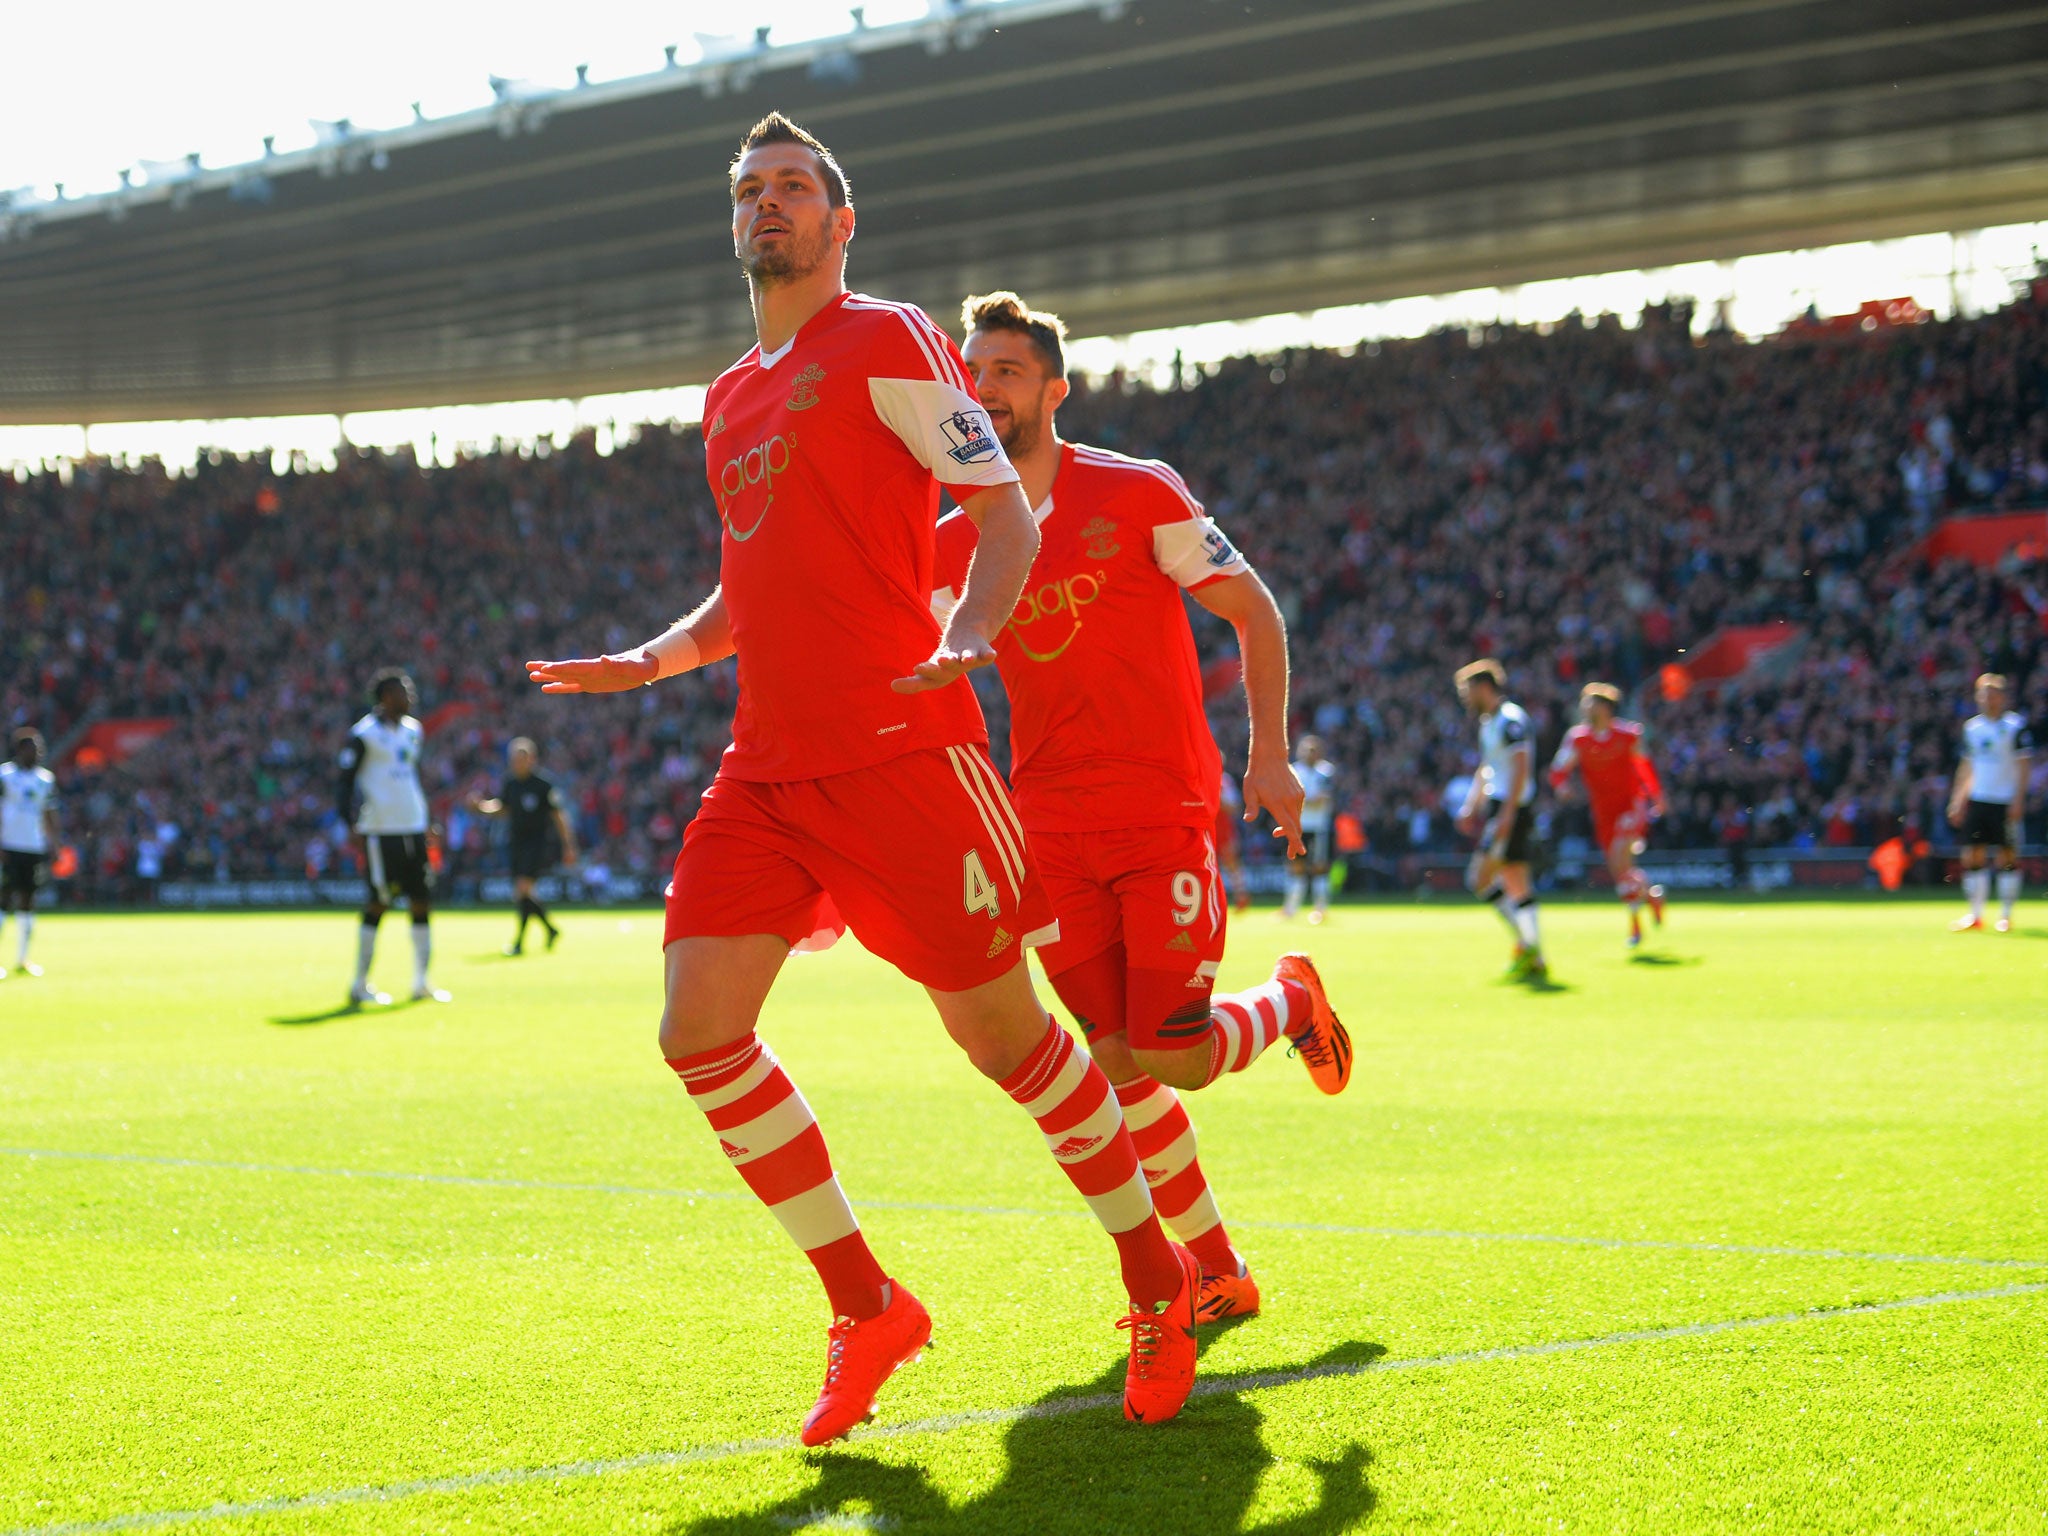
pixel 1075 1466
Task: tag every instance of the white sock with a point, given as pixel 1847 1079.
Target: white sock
pixel 25 928
pixel 1296 889
pixel 422 952
pixel 2008 891
pixel 1504 904
pixel 1319 891
pixel 1525 924
pixel 366 946
pixel 1977 886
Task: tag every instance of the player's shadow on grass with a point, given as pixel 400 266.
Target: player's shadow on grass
pixel 324 1016
pixel 341 1011
pixel 1642 957
pixel 1075 1468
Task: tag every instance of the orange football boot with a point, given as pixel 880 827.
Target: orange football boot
pixel 859 1358
pixel 1224 1296
pixel 1966 925
pixel 1323 1044
pixel 1162 1369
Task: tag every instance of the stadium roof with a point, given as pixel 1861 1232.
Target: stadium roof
pixel 1134 164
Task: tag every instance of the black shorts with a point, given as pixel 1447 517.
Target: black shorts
pixel 1317 840
pixel 530 858
pixel 398 866
pixel 1985 825
pixel 1521 841
pixel 21 874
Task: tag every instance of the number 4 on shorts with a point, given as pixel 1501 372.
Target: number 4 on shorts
pixel 979 892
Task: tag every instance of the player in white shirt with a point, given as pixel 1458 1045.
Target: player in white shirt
pixel 1988 804
pixel 1309 874
pixel 380 769
pixel 1499 810
pixel 28 836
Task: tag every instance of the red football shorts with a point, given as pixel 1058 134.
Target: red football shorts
pixel 1141 930
pixel 922 856
pixel 1229 829
pixel 1631 822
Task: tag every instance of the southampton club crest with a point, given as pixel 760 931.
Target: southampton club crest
pixel 805 393
pixel 1100 537
pixel 973 440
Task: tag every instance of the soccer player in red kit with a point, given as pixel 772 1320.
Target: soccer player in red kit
pixel 1623 788
pixel 1117 775
pixel 857 785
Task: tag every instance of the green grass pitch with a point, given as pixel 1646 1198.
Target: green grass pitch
pixel 1749 1236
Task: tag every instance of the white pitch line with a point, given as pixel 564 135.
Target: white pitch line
pixel 1209 1386
pixel 1429 1234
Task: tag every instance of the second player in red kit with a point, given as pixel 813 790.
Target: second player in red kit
pixel 856 788
pixel 1623 792
pixel 1117 774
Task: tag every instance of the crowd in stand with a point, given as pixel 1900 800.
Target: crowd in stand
pixel 1584 501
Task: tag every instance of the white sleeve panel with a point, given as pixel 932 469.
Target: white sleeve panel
pixel 944 428
pixel 1194 550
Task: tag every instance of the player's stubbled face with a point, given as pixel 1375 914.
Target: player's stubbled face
pixel 782 216
pixel 1009 377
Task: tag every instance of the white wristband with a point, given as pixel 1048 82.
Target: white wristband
pixel 674 652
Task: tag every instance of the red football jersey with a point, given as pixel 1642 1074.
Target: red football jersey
pixel 1106 722
pixel 1610 761
pixel 825 460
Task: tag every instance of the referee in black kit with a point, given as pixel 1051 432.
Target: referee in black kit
pixel 533 807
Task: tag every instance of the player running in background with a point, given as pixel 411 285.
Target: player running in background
pixel 1988 804
pixel 380 773
pixel 1497 810
pixel 858 784
pixel 1623 791
pixel 1308 868
pixel 1117 774
pixel 533 811
pixel 28 837
pixel 1229 839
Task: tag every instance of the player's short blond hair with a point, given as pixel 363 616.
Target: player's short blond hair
pixel 522 744
pixel 1004 311
pixel 1993 680
pixel 1485 667
pixel 1606 693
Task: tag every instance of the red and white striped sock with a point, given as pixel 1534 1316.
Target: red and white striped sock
pixel 1065 1092
pixel 1247 1022
pixel 1165 1139
pixel 773 1140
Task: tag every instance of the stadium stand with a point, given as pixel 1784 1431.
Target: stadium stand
pixel 1585 501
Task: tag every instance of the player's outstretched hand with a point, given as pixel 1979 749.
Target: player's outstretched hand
pixel 594 674
pixel 1271 786
pixel 959 652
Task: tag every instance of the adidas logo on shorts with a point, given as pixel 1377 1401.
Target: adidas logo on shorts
pixel 1181 941
pixel 1000 942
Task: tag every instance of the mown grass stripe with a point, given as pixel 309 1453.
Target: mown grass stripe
pixel 1246 1381
pixel 1431 1234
